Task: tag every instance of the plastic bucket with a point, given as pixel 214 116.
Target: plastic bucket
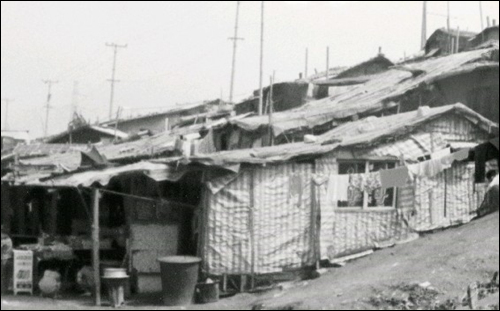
pixel 207 293
pixel 116 291
pixel 179 276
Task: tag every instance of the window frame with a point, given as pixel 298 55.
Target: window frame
pixel 366 195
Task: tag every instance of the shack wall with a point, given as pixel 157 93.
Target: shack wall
pixel 261 222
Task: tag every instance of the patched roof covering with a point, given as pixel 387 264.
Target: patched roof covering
pixel 377 94
pixel 370 130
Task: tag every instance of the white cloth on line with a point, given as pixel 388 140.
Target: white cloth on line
pixel 338 188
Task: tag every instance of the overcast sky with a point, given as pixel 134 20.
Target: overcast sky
pixel 179 52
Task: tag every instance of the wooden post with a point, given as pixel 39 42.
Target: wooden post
pixel 96 247
pixel 316 225
pixel 271 107
pixel 365 193
pixel 252 231
pixel 327 62
pixel 224 283
pixel 472 294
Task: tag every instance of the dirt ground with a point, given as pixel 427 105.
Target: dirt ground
pixel 449 260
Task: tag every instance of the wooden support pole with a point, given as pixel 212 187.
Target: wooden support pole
pixel 316 225
pixel 271 107
pixel 253 244
pixel 327 62
pixel 365 193
pixel 224 283
pixel 473 295
pixel 96 247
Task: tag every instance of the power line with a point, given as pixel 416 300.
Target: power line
pixel 113 73
pixel 47 106
pixel 7 102
pixel 235 40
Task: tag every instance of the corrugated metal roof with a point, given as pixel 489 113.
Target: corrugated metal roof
pixel 375 95
pixel 366 131
pixel 266 155
pixel 103 130
pixel 88 178
pixel 369 130
pixel 39 150
pixel 170 111
pixel 69 156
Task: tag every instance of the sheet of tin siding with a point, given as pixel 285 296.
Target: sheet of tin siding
pixel 429 203
pixel 412 147
pixel 227 245
pixel 325 166
pixel 406 197
pixel 356 231
pixel 460 193
pixel 282 217
pixel 456 128
pixel 453 199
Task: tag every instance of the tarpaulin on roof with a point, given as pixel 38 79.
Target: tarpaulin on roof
pixel 371 130
pixel 101 177
pixel 231 160
pixel 374 95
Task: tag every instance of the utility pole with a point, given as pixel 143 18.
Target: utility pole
pixel 481 14
pixel 306 73
pixel 261 92
pixel 448 28
pixel 235 40
pixel 113 80
pixel 74 101
pixel 448 25
pixel 424 26
pixel 327 61
pixel 7 102
pixel 49 84
pixel 271 107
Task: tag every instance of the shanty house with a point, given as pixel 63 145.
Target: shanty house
pixel 488 35
pixel 469 77
pixel 351 76
pixel 88 134
pixel 259 212
pixel 272 214
pixel 285 96
pixel 160 122
pixel 443 42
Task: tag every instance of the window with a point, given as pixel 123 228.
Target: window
pixel 365 191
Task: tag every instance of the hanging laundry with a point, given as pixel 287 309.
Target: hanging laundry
pixel 433 168
pixel 440 154
pixel 447 162
pixel 397 177
pixel 461 155
pixel 338 188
